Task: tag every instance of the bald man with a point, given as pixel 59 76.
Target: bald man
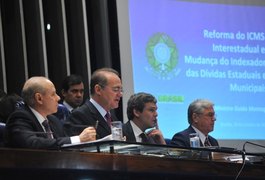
pixel 26 128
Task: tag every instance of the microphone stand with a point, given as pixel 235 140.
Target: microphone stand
pixel 244 156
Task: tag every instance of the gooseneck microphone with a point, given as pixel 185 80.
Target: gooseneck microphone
pixel 31 132
pixel 244 155
pixel 81 126
pixel 247 142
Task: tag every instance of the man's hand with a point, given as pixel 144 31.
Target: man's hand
pixel 157 135
pixel 88 134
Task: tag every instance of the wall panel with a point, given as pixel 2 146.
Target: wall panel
pixel 55 38
pixel 35 45
pixel 13 44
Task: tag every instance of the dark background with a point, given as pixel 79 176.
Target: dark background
pixel 83 37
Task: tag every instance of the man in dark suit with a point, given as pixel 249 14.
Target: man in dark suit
pixel 72 96
pixel 33 126
pixel 8 104
pixel 142 115
pixel 106 92
pixel 201 117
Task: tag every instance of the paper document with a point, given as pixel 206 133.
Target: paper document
pixel 106 138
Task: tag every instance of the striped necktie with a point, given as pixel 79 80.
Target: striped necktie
pixel 46 125
pixel 108 118
pixel 207 142
pixel 144 137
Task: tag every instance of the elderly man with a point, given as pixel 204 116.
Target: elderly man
pixel 105 92
pixel 33 126
pixel 201 117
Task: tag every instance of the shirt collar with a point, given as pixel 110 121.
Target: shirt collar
pixel 70 108
pixel 39 117
pixel 201 135
pixel 137 131
pixel 100 109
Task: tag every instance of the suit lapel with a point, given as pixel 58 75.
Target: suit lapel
pixel 97 116
pixel 35 121
pixel 129 132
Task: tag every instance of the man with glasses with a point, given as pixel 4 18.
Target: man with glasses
pixel 105 92
pixel 201 117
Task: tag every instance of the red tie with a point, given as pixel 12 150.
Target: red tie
pixel 108 118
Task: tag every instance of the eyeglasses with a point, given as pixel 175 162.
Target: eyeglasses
pixel 210 115
pixel 114 89
pixel 117 89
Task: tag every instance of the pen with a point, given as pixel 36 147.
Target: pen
pixel 96 125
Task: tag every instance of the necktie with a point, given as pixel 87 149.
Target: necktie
pixel 144 138
pixel 207 142
pixel 46 125
pixel 108 118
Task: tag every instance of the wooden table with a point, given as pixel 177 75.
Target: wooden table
pixel 52 164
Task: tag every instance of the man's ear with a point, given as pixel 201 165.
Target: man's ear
pixel 38 98
pixel 195 117
pixel 97 89
pixel 63 92
pixel 136 113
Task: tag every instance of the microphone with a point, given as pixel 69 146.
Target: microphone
pixel 75 125
pixel 244 156
pixel 31 132
pixel 255 158
pixel 247 142
pixel 82 126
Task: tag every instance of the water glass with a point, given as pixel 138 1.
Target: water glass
pixel 116 130
pixel 194 140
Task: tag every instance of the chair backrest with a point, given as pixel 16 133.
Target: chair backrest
pixel 168 141
pixel 2 129
pixel 62 113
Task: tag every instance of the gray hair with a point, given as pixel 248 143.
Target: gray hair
pixel 198 106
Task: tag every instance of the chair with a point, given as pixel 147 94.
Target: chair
pixel 168 141
pixel 62 113
pixel 2 129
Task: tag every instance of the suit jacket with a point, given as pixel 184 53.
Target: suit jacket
pixel 85 116
pixel 182 138
pixel 23 130
pixel 128 132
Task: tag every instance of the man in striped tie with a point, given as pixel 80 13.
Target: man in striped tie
pixel 105 95
pixel 142 115
pixel 34 126
pixel 201 117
